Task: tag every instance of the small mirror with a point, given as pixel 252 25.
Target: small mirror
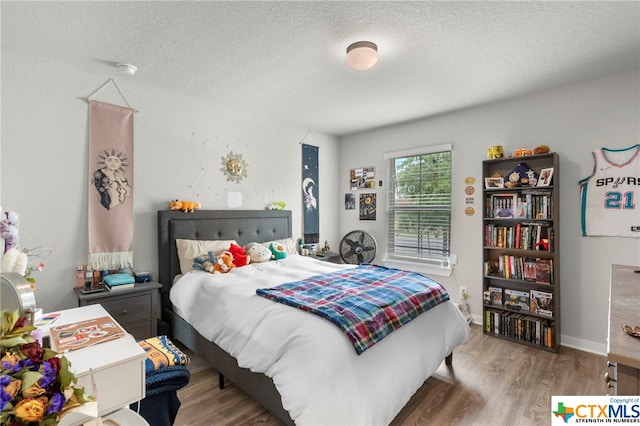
pixel 17 294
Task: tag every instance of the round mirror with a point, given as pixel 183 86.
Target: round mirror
pixel 17 294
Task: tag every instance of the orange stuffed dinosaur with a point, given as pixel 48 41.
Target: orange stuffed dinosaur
pixel 185 206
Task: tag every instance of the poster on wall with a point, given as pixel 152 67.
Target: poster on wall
pixel 310 194
pixel 363 178
pixel 367 206
pixel 349 201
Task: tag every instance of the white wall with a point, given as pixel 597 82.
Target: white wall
pixel 179 143
pixel 573 121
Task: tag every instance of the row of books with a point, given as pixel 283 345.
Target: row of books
pixel 525 236
pixel 536 301
pixel 537 331
pixel 525 205
pixel 539 270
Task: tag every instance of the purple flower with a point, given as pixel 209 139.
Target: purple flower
pixel 4 397
pixel 48 375
pixel 27 363
pixel 56 403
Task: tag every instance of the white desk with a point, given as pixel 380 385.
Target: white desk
pixel 117 365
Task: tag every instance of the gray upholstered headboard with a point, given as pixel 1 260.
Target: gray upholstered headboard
pixel 244 226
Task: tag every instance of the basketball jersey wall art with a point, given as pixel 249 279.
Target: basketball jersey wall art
pixel 610 196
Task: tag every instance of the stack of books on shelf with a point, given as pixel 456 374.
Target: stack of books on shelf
pixel 535 301
pixel 530 204
pixel 518 326
pixel 520 268
pixel 523 235
pixel 118 282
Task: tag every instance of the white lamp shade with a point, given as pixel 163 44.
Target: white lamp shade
pixel 362 55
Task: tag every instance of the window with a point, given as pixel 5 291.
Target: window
pixel 419 205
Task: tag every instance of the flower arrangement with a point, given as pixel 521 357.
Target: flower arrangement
pixel 36 386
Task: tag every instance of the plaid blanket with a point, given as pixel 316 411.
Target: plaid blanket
pixel 367 302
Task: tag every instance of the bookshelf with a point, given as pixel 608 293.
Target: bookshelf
pixel 521 266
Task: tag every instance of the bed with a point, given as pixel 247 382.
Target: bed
pixel 327 384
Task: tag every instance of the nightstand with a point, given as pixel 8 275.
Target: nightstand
pixel 327 257
pixel 137 309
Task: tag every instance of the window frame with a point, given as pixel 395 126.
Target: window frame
pixel 438 265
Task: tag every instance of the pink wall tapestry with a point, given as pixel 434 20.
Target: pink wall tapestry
pixel 111 186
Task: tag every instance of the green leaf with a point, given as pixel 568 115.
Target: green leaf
pixel 66 376
pixel 29 378
pixel 82 395
pixel 49 353
pixel 10 342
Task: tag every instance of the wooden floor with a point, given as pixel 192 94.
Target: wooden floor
pixel 491 382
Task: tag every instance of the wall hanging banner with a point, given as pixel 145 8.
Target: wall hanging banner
pixel 310 195
pixel 111 186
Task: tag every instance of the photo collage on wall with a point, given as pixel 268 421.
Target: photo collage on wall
pixel 362 178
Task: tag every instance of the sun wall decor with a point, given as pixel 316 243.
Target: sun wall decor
pixel 234 166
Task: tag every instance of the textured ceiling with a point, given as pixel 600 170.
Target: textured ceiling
pixel 285 60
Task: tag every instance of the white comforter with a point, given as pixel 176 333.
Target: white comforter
pixel 313 365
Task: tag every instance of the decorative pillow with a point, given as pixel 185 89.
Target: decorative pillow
pixel 278 251
pixel 257 252
pixel 288 243
pixel 190 249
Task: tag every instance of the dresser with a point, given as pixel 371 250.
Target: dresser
pixel 137 309
pixel 118 368
pixel 623 350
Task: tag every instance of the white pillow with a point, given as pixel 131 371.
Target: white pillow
pixel 288 243
pixel 188 249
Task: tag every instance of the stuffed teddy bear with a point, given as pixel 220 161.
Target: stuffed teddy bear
pixel 185 206
pixel 240 257
pixel 277 251
pixel 258 253
pixel 205 262
pixel 223 263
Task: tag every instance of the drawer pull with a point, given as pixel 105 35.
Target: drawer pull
pixel 608 378
pixel 124 311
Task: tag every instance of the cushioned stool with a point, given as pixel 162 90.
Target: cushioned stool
pixel 166 372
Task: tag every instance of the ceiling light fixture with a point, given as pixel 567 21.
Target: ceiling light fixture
pixel 362 55
pixel 128 69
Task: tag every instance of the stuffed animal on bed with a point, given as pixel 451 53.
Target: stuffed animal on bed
pixel 258 253
pixel 277 251
pixel 240 258
pixel 185 206
pixel 205 262
pixel 224 263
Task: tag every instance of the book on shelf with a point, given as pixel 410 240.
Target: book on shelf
pixel 515 299
pixel 529 269
pixel 496 295
pixel 544 271
pixel 504 205
pixel 541 302
pixel 119 287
